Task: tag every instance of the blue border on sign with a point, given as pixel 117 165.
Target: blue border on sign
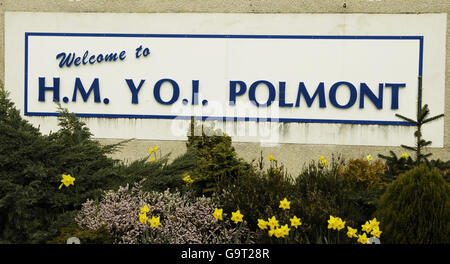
pixel 222 118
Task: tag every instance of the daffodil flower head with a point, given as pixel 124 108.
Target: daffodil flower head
pixel 374 223
pixel 273 222
pixel 285 230
pixel 271 157
pixel 145 209
pixel 340 224
pixel 143 218
pixel 237 216
pixel 332 222
pixel 153 160
pixel 295 222
pixel 324 162
pixel 376 232
pixel 271 232
pixel 262 224
pixel 369 157
pixel 218 214
pixel 154 222
pixel 187 179
pixel 278 232
pixel 404 155
pixel 322 157
pixel 367 227
pixel 67 180
pixel 363 238
pixel 285 204
pixel 351 232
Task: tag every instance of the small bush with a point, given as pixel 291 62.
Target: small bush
pixel 415 209
pixel 365 174
pixel 118 211
pixel 257 194
pixel 183 219
pixel 190 220
pixel 216 159
pixel 32 208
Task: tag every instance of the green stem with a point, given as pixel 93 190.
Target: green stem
pixel 328 240
pixel 236 235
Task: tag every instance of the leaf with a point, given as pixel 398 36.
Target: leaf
pixel 408 147
pixel 406 119
pixel 432 118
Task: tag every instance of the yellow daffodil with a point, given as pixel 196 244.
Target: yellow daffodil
pixel 374 223
pixel 187 179
pixel 151 150
pixel 295 222
pixel 285 204
pixel 369 157
pixel 67 180
pixel 154 222
pixel 404 155
pixel 367 227
pixel 332 222
pixel 271 157
pixel 363 238
pixel 340 224
pixel 145 209
pixel 153 160
pixel 335 223
pixel 218 214
pixel 273 222
pixel 324 162
pixel 322 157
pixel 285 230
pixel 262 224
pixel 278 232
pixel 376 232
pixel 143 218
pixel 351 232
pixel 236 216
pixel 271 231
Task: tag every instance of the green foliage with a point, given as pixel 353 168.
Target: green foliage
pixel 348 189
pixel 159 175
pixel 345 189
pixel 321 192
pixel 396 166
pixel 32 208
pixel 257 194
pixel 421 119
pixel 415 209
pixel 86 236
pixel 216 159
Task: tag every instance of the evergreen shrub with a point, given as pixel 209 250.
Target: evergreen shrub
pixel 415 209
pixel 32 208
pixel 216 159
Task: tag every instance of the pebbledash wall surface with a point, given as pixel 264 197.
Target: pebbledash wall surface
pixel 295 79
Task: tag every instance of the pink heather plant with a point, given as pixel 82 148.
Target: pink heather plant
pixel 119 211
pixel 184 220
pixel 191 221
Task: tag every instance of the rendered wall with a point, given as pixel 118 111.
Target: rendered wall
pixel 292 155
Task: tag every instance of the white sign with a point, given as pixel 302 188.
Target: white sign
pixel 265 79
